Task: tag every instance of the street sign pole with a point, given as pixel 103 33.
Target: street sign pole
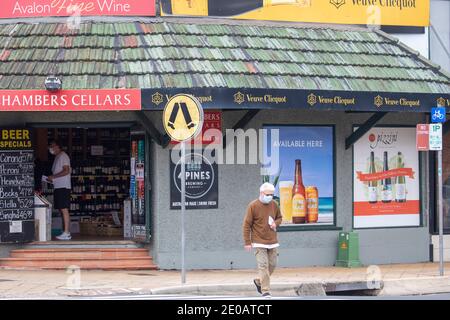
pixel 183 209
pixel 441 215
pixel 183 121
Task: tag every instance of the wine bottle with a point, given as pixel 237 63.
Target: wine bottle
pixel 218 7
pixel 373 184
pixel 400 183
pixel 386 193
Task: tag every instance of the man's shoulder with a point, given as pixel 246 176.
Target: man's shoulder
pixel 64 155
pixel 254 203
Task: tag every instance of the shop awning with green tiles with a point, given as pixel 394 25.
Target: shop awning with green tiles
pixel 227 64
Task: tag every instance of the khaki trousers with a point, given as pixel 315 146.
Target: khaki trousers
pixel 266 260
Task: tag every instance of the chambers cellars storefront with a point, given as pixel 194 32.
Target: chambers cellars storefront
pixel 343 100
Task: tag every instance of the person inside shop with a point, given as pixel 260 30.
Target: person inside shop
pixel 61 185
pixel 262 218
pixel 39 171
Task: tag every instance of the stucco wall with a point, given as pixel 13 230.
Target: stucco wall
pixel 214 239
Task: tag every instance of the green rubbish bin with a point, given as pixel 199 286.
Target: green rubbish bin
pixel 348 250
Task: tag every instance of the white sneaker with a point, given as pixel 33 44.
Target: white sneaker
pixel 64 236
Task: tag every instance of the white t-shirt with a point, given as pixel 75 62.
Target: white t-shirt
pixel 265 246
pixel 61 160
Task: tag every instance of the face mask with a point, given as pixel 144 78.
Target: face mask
pixel 51 151
pixel 266 199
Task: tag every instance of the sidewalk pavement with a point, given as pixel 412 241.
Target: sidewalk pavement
pixel 397 279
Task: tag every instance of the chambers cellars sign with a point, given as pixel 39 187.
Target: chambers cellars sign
pixel 70 100
pixel 65 8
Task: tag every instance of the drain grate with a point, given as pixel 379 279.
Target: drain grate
pixel 5 280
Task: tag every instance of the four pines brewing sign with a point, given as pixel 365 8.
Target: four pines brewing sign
pixel 16 185
pixel 201 183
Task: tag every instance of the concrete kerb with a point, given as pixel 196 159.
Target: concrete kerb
pixel 284 289
pixel 416 286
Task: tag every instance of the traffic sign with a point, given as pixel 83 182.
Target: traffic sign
pixel 436 136
pixel 423 137
pixel 438 115
pixel 429 137
pixel 183 117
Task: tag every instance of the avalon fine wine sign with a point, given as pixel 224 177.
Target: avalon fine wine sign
pixel 16 185
pixel 65 8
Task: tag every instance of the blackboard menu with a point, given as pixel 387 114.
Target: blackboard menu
pixel 16 185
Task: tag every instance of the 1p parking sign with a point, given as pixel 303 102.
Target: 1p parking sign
pixel 435 137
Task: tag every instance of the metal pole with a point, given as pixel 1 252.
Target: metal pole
pixel 441 215
pixel 183 209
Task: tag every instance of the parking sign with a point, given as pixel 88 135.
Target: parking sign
pixel 436 136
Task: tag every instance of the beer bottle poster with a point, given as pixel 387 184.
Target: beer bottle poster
pixel 299 161
pixel 386 189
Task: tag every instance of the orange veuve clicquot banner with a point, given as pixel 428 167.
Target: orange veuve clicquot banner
pixel 366 12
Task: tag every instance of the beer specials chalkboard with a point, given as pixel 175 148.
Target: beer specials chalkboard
pixel 16 185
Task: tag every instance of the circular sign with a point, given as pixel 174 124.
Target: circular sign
pixel 199 176
pixel 183 117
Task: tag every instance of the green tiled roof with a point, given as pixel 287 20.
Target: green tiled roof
pixel 196 53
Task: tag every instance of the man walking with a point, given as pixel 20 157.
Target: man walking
pixel 259 229
pixel 62 185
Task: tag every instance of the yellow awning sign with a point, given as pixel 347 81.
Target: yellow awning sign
pixel 364 12
pixel 183 117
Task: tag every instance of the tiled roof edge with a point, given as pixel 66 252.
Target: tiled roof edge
pixel 416 54
pixel 191 20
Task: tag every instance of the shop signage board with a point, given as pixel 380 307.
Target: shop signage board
pixel 212 120
pixel 365 12
pixel 220 98
pixel 70 100
pixel 67 8
pixel 314 147
pixel 202 187
pixel 16 185
pixel 386 187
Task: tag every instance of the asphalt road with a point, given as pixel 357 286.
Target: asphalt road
pixel 442 296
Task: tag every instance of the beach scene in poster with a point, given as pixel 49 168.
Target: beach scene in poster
pixel 304 181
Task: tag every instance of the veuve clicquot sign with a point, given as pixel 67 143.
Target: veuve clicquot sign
pixel 366 12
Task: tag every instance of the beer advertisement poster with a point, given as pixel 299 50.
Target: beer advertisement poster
pixel 201 182
pixel 301 161
pixel 386 179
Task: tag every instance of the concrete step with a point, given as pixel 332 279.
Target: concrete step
pixel 84 244
pixel 82 263
pixel 63 253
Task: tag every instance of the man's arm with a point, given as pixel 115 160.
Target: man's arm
pixel 64 172
pixel 247 226
pixel 278 216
